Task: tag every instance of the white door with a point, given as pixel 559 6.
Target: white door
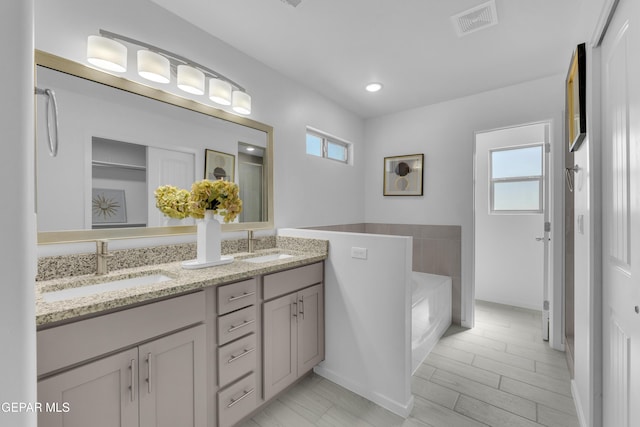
pixel 510 241
pixel 621 212
pixel 167 167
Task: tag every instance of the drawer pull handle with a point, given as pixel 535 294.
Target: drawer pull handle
pixel 241 325
pixel 245 394
pixel 244 295
pixel 302 307
pixel 244 353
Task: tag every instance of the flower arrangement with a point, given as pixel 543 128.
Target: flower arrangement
pixel 172 201
pixel 221 197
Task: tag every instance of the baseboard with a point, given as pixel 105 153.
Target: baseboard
pixel 569 356
pixel 397 408
pixel 578 403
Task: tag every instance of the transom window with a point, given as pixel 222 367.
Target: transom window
pixel 516 179
pixel 322 145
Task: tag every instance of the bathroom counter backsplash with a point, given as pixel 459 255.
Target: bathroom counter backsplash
pixel 55 267
pixel 62 272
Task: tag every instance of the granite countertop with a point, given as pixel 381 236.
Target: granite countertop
pixel 182 280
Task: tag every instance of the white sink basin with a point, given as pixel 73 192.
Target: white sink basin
pixel 114 285
pixel 268 258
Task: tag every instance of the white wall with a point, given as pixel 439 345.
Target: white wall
pixel 444 133
pixel 334 190
pixel 368 321
pixel 17 220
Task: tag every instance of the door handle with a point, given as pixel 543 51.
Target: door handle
pixel 149 371
pixel 540 239
pixel 132 371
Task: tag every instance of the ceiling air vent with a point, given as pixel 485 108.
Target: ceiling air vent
pixel 293 3
pixel 475 19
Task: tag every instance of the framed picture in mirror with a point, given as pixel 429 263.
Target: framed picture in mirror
pixel 108 206
pixel 218 165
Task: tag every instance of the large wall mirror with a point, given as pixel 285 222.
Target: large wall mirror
pixel 119 140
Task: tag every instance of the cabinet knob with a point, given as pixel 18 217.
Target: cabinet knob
pixel 637 309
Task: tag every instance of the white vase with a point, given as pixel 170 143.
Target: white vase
pixel 209 237
pixel 208 241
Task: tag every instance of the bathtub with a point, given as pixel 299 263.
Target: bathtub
pixel 430 313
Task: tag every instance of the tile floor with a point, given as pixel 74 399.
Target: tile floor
pixel 498 374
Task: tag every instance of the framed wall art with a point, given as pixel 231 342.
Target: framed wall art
pixel 403 175
pixel 108 206
pixel 576 97
pixel 219 165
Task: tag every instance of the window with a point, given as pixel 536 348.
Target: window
pixel 328 147
pixel 516 179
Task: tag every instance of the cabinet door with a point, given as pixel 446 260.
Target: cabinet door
pixel 310 328
pixel 99 394
pixel 173 389
pixel 280 344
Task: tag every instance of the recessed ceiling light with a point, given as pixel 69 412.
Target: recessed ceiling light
pixel 373 87
pixel 250 149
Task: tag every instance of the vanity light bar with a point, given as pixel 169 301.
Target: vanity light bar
pixel 155 64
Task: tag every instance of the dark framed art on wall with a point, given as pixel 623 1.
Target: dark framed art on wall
pixel 403 175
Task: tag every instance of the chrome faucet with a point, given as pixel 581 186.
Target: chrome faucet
pixel 251 241
pixel 102 254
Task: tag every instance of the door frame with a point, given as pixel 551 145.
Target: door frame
pixel 554 288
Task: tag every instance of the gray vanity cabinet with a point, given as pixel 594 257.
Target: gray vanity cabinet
pixel 207 358
pixel 293 326
pixel 156 384
pixel 238 352
pixel 159 379
pixel 171 386
pixel 310 328
pixel 98 391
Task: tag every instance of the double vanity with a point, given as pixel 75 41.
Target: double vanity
pixel 159 345
pixel 153 344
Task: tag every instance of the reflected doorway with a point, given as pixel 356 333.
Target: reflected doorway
pixel 252 180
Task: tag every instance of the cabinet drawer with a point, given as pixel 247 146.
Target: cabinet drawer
pixel 236 359
pixel 237 324
pixel 237 401
pixel 76 342
pixel 292 280
pixel 236 295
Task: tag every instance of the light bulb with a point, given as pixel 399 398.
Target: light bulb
pixel 153 66
pixel 107 54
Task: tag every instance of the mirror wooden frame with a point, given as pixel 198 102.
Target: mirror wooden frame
pixel 54 62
